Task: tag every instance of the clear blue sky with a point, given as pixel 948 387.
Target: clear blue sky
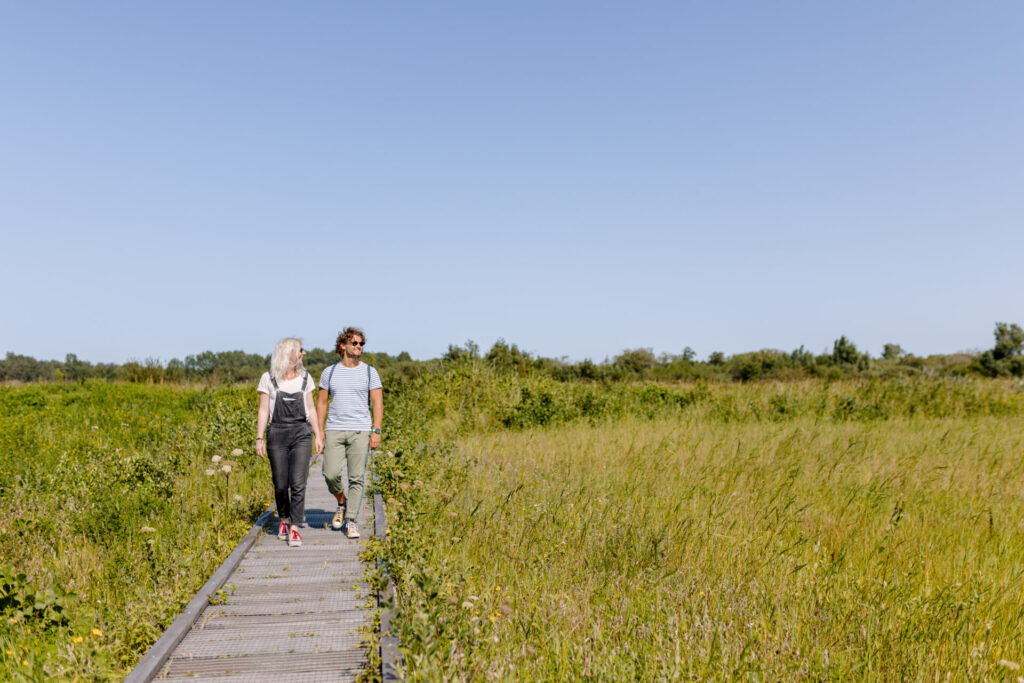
pixel 575 177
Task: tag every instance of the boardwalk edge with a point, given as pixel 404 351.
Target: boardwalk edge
pixel 151 663
pixel 390 657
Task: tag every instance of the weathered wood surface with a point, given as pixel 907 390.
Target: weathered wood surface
pixel 289 613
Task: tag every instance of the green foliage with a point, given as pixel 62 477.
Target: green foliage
pixel 97 482
pixel 1004 359
pixel 20 601
pixel 1009 341
pixel 642 531
pixel 893 352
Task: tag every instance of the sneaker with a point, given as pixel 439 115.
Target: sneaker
pixel 282 531
pixel 339 517
pixel 294 540
pixel 351 530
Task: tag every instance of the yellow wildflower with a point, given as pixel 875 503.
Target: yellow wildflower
pixel 96 633
pixel 76 639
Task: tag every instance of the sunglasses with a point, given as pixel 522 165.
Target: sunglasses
pixel 302 350
pixel 355 343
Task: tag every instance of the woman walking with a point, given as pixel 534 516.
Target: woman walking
pixel 286 404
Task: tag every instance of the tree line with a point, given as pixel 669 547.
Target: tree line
pixel 1004 359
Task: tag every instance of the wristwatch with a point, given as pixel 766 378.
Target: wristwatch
pixel 376 431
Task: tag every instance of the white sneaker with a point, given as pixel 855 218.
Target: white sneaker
pixel 339 517
pixel 351 530
pixel 282 531
pixel 294 539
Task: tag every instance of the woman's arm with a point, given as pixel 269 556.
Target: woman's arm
pixel 261 425
pixel 311 415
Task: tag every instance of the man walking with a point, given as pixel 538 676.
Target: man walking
pixel 354 389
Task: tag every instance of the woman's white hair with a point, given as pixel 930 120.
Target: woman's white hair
pixel 281 363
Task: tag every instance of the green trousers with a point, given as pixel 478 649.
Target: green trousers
pixel 347 449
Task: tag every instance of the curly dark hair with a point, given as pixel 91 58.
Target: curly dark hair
pixel 347 335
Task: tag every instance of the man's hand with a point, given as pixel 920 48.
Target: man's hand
pixel 318 443
pixel 374 441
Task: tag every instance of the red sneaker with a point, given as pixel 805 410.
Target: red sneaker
pixel 282 531
pixel 294 540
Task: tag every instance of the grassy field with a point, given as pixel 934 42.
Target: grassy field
pixel 547 530
pixel 852 530
pixel 109 520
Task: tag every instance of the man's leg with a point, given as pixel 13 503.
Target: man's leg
pixel 358 454
pixel 334 463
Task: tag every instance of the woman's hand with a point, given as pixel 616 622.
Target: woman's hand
pixel 261 448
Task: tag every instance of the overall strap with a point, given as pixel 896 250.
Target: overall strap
pixel 305 378
pixel 273 381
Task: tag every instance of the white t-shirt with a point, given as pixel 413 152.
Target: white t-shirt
pixel 288 386
pixel 350 394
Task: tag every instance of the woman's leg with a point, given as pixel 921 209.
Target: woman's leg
pixel 298 460
pixel 277 454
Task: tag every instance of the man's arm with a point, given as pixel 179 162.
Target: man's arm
pixel 377 404
pixel 321 409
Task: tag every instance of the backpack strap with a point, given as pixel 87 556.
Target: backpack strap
pixel 369 403
pixel 330 376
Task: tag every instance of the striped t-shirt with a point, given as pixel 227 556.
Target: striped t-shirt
pixel 350 396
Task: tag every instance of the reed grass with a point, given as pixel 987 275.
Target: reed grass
pixel 702 543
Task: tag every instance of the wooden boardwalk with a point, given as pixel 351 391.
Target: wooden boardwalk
pixel 289 614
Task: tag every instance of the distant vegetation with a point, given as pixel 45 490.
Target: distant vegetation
pixel 1004 359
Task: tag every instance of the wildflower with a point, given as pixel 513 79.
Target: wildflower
pixel 24 662
pixel 210 473
pixel 124 424
pixel 467 605
pixel 1012 666
pixel 147 530
pixel 492 618
pixel 497 588
pixel 226 469
pixel 238 498
pixel 76 639
pixel 95 427
pixel 215 459
pixel 10 653
pixel 96 633
pixel 237 453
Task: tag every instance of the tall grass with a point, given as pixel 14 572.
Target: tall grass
pixel 104 495
pixel 867 530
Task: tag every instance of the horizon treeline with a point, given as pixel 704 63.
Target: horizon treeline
pixel 1004 359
